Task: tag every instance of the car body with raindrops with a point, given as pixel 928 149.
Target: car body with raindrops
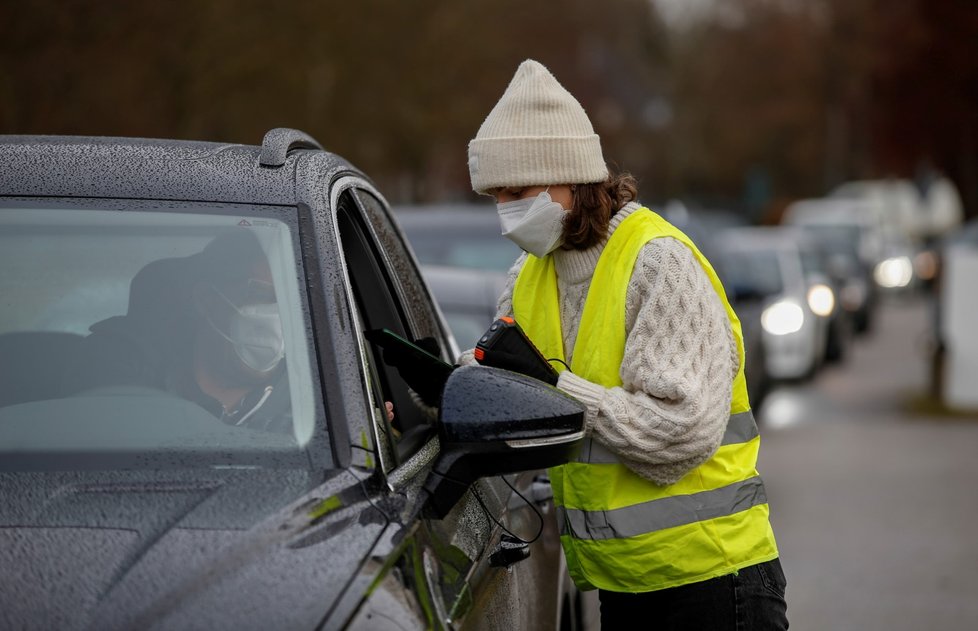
pixel 228 400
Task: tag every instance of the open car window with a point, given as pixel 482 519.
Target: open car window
pixel 388 294
pixel 148 337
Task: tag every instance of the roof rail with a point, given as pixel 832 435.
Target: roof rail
pixel 278 142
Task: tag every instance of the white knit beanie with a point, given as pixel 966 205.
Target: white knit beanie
pixel 538 134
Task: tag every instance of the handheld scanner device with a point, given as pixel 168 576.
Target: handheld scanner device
pixel 505 345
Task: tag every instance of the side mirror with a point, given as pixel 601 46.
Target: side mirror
pixel 493 422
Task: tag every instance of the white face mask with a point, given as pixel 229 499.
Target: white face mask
pixel 256 335
pixel 536 224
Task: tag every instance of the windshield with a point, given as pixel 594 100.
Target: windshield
pixel 147 339
pixel 811 262
pixel 840 238
pixel 755 270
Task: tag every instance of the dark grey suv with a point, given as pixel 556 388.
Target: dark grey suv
pixel 199 346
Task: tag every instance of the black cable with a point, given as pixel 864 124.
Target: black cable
pixel 363 487
pixel 496 521
pixel 493 517
pixel 366 494
pixel 475 493
pixel 554 359
pixel 532 505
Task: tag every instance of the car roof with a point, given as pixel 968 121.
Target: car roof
pixel 887 187
pixel 760 237
pixel 144 168
pixel 841 210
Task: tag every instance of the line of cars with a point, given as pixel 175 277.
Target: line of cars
pixel 803 290
pixel 818 278
pixel 920 244
pixel 776 280
pixel 464 259
pixel 802 293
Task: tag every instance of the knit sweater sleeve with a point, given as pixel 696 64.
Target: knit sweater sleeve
pixel 504 306
pixel 680 360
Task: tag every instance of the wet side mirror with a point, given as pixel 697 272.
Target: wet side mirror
pixel 493 422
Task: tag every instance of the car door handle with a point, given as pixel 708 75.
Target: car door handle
pixel 511 550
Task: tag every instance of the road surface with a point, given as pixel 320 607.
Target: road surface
pixel 875 506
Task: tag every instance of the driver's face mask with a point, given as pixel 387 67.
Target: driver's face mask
pixel 255 332
pixel 536 224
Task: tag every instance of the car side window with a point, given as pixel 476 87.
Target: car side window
pixel 379 306
pixel 421 317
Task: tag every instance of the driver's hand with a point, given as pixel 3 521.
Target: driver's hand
pixel 390 410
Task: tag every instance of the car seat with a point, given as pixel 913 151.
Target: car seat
pixel 135 349
pixel 31 363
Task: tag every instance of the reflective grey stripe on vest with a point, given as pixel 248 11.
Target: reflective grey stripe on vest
pixel 666 512
pixel 741 428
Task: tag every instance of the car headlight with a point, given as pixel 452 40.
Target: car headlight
pixel 894 272
pixel 821 300
pixel 782 318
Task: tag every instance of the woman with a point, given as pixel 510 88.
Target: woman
pixel 664 511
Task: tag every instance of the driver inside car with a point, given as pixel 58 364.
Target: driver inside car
pixel 205 328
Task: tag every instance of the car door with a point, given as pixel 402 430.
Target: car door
pixel 448 563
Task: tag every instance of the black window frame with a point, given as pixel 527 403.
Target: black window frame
pixel 379 303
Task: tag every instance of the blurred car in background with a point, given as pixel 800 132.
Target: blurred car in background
pixel 824 288
pixel 894 205
pixel 848 232
pixel 911 216
pixel 702 227
pixel 748 304
pixel 467 298
pixel 464 258
pixel 899 262
pixel 766 262
pixel 458 235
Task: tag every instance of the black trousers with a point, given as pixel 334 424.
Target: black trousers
pixel 750 600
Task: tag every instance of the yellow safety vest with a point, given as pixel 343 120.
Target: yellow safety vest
pixel 621 532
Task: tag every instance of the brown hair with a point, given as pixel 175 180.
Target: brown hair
pixel 594 205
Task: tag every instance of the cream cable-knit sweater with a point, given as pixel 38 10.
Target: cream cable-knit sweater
pixel 671 411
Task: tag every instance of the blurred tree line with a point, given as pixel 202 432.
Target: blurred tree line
pixel 754 102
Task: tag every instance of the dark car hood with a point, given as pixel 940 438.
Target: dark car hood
pixel 77 555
